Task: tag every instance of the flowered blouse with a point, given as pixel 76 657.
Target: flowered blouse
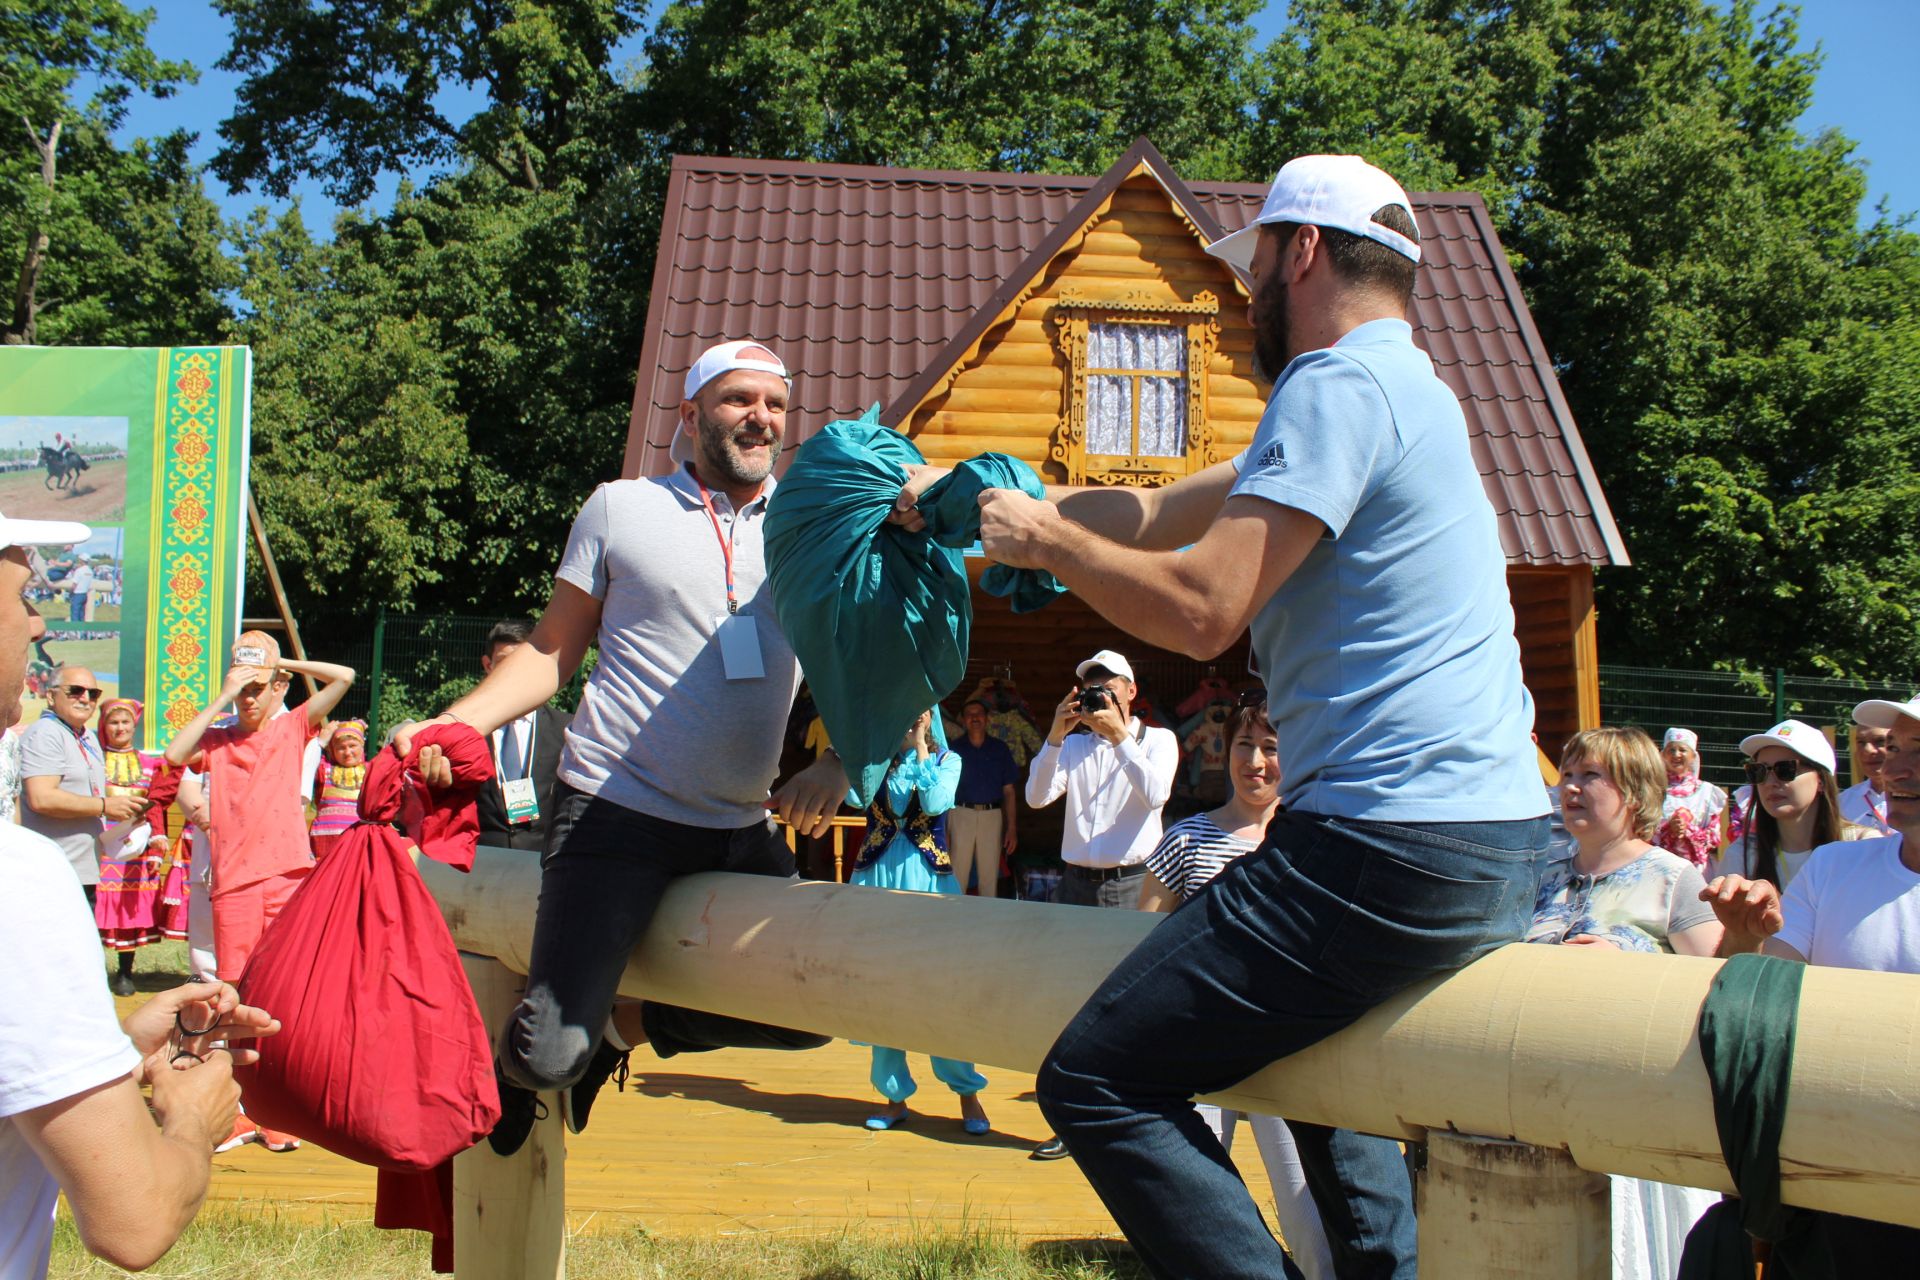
pixel 1636 907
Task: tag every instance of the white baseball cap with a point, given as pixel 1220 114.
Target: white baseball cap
pixel 42 533
pixel 1878 713
pixel 1796 736
pixel 1342 192
pixel 721 358
pixel 1107 660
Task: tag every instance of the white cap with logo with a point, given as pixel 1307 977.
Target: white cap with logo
pixel 1796 736
pixel 1342 192
pixel 1109 661
pixel 721 358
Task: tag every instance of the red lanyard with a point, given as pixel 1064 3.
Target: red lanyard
pixel 726 547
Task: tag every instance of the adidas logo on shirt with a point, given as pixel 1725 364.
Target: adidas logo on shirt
pixel 1274 455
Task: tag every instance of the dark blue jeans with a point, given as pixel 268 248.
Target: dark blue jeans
pixel 1291 943
pixel 601 877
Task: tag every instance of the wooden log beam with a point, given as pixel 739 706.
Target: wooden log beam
pixel 1557 1047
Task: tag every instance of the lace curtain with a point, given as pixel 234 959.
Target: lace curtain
pixel 1163 400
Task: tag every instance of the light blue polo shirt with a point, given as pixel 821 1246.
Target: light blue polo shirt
pixel 1392 672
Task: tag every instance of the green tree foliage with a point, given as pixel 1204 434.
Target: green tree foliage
pixel 356 445
pixel 132 243
pixel 349 90
pixel 1039 86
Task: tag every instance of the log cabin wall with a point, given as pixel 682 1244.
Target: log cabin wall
pixel 1010 395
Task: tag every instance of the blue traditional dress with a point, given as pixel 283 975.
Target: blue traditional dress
pixel 906 848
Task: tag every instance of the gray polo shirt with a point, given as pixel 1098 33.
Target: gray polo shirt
pixel 50 749
pixel 660 728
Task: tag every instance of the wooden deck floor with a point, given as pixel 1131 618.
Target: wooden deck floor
pixel 751 1142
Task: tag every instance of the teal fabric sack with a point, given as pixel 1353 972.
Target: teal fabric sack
pixel 880 617
pixel 952 511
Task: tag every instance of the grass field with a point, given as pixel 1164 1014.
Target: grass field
pixel 226 1244
pixel 98 497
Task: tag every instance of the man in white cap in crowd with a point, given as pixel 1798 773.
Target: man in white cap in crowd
pixel 72 1119
pixel 1856 905
pixel 1116 775
pixel 669 758
pixel 1355 538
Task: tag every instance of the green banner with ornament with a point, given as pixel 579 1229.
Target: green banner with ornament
pixel 147 446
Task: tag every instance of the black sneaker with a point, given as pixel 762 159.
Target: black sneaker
pixel 577 1102
pixel 520 1110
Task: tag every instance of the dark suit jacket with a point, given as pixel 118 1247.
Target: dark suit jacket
pixel 549 731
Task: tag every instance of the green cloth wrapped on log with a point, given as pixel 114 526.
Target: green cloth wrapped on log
pixel 1747 1029
pixel 880 617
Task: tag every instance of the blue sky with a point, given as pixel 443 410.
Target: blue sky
pixel 1867 89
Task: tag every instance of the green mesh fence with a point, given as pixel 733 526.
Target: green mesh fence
pixel 1723 708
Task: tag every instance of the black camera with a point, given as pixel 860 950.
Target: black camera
pixel 1095 697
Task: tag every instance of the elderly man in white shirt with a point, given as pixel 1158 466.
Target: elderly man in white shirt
pixel 1116 777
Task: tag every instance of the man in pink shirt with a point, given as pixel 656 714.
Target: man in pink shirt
pixel 254 766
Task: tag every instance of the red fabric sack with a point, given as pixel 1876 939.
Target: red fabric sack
pixel 381 1056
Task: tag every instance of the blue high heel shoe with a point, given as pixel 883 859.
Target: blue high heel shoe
pixel 882 1121
pixel 977 1125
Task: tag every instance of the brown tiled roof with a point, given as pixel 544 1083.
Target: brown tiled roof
pixel 865 279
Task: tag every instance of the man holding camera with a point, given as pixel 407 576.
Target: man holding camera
pixel 1116 775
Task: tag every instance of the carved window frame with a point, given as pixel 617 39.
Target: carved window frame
pixel 1073 318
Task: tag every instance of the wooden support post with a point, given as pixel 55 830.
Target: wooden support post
pixel 258 528
pixel 510 1214
pixel 1497 1210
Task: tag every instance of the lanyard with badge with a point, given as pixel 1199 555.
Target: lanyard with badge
pixel 739 640
pixel 521 796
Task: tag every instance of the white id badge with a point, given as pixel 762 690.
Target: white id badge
pixel 523 802
pixel 739 646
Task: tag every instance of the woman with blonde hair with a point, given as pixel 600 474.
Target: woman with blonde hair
pixel 1619 891
pixel 1617 887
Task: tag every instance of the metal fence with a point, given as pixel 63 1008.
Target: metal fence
pixel 1723 708
pixel 413 665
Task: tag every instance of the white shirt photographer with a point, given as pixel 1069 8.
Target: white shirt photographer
pixel 1114 791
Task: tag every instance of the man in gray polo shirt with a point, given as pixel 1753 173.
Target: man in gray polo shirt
pixel 64 776
pixel 669 757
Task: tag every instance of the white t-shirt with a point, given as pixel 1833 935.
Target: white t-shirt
pixel 1856 906
pixel 58 1033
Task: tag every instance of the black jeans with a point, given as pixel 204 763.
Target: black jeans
pixel 601 878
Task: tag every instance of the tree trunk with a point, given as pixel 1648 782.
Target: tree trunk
pixel 25 308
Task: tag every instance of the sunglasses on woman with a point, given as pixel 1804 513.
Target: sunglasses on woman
pixel 1785 770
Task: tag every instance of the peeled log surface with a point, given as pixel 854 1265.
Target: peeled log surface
pixel 1593 1052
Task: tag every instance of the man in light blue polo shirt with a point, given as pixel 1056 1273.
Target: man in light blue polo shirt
pixel 1355 539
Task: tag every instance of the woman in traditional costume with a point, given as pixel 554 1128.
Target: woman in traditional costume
pixel 133 854
pixel 906 848
pixel 336 785
pixel 1693 815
